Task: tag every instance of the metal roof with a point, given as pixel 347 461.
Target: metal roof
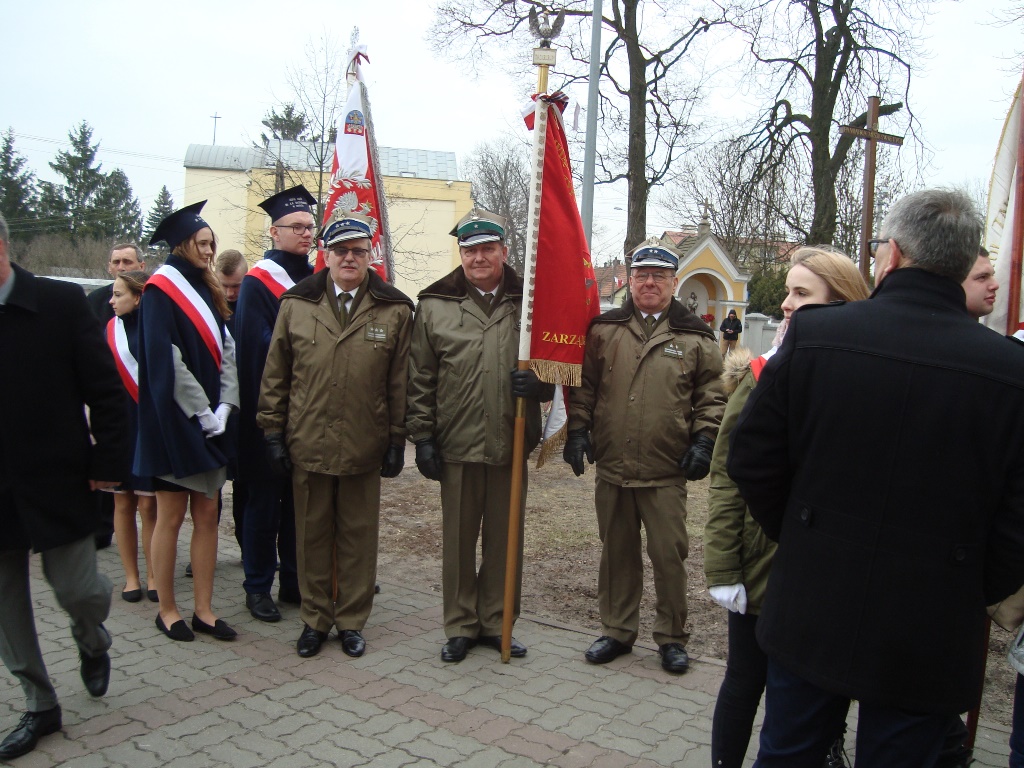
pixel 303 156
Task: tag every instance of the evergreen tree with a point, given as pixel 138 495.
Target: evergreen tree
pixel 163 207
pixel 69 207
pixel 18 194
pixel 116 213
pixel 291 124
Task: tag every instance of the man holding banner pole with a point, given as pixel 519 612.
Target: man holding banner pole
pixel 460 416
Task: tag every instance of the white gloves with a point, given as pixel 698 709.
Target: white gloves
pixel 222 413
pixel 732 597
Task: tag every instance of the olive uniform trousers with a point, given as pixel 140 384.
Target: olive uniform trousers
pixel 620 512
pixel 475 496
pixel 336 515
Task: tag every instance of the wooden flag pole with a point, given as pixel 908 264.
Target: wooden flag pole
pixel 543 57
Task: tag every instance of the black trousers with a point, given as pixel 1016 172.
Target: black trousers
pixel 746 671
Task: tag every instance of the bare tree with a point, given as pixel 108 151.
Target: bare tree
pixel 500 173
pixel 824 60
pixel 647 98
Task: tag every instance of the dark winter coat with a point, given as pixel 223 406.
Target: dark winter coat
pixel 54 363
pixel 883 448
pixel 99 303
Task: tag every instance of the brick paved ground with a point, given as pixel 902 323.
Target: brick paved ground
pixel 254 702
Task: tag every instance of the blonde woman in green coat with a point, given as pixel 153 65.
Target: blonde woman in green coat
pixel 737 553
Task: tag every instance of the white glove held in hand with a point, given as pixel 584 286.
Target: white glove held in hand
pixel 208 421
pixel 222 413
pixel 732 597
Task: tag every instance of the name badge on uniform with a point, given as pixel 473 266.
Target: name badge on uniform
pixel 376 332
pixel 671 350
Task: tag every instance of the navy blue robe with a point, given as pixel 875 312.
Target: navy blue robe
pixel 256 313
pixel 171 442
pixel 131 331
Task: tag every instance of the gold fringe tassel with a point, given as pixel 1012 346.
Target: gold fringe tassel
pixel 552 445
pixel 554 372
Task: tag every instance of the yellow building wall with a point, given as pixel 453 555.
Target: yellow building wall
pixel 227 196
pixel 706 259
pixel 421 212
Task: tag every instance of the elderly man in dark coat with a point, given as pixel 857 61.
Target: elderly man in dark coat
pixel 55 363
pixel 883 448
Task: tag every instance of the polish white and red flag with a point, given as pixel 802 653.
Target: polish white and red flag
pixel 356 185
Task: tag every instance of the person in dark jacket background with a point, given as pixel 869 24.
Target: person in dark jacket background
pixel 731 329
pixel 54 364
pixel 898 506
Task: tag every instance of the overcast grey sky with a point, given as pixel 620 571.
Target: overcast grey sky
pixel 149 76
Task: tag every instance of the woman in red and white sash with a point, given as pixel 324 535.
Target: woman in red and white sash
pixel 136 494
pixel 188 388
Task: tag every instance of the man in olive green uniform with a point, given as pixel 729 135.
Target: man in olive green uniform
pixel 332 407
pixel 461 412
pixel 652 398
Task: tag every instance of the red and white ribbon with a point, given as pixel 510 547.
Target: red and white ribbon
pixel 273 276
pixel 173 283
pixel 127 365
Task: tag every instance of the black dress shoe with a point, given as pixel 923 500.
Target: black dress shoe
pixel 31 727
pixel 177 631
pixel 518 650
pixel 152 596
pixel 289 595
pixel 95 673
pixel 131 595
pixel 188 571
pixel 456 647
pixel 261 606
pixel 674 658
pixel 605 649
pixel 352 642
pixel 310 641
pixel 220 629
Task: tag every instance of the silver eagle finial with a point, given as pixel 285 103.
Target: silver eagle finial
pixel 543 28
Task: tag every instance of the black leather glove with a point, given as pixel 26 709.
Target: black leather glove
pixel 277 454
pixel 697 462
pixel 394 461
pixel 428 459
pixel 526 384
pixel 577 444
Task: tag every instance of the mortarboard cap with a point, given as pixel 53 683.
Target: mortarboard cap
pixel 479 226
pixel 179 226
pixel 288 201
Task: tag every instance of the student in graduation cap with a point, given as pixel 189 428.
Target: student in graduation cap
pixel 188 387
pixel 269 516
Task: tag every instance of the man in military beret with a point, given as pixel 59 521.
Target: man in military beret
pixel 268 532
pixel 652 398
pixel 461 411
pixel 332 406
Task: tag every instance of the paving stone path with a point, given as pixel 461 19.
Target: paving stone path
pixel 254 702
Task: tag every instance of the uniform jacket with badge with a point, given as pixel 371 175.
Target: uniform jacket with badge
pixel 55 362
pixel 883 448
pixel 736 549
pixel 459 372
pixel 338 395
pixel 644 400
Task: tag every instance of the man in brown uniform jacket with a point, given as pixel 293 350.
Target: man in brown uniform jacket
pixel 652 398
pixel 332 407
pixel 461 411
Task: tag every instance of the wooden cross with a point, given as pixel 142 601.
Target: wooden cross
pixel 873 136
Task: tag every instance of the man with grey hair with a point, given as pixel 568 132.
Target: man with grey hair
pixel 899 511
pixel 55 365
pixel 124 257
